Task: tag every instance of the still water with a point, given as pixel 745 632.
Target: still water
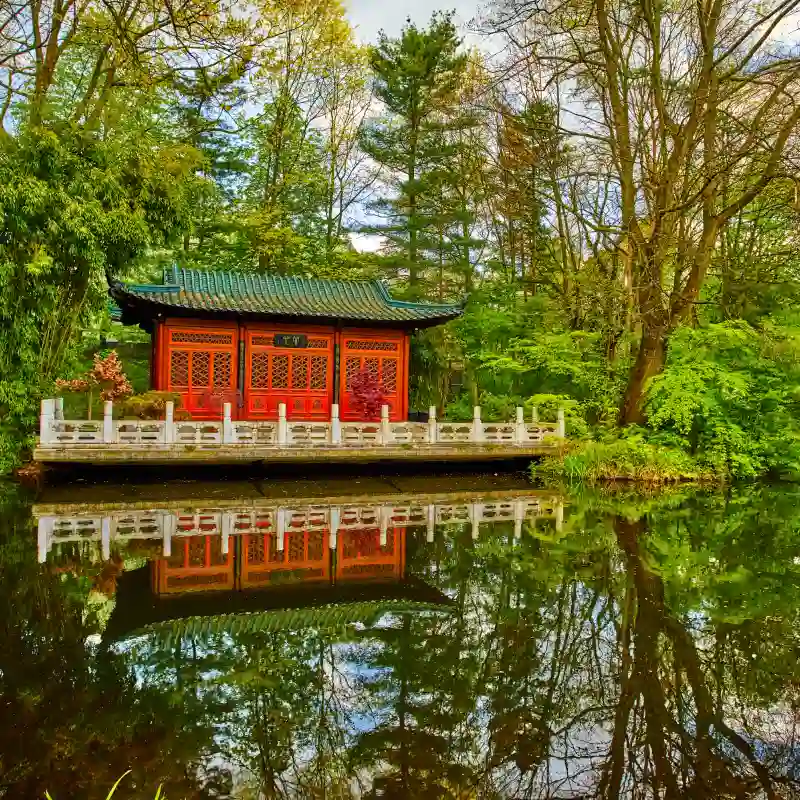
pixel 465 637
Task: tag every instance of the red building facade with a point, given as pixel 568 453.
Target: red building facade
pixel 259 341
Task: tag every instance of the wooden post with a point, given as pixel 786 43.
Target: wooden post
pixel 336 425
pixel 169 423
pixel 227 424
pixel 59 409
pixel 520 434
pixel 386 428
pixel 432 429
pixel 477 425
pixel 431 521
pixel 282 427
pixel 108 422
pixel 562 426
pixel 46 418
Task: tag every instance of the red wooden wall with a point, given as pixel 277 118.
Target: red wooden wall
pixel 199 360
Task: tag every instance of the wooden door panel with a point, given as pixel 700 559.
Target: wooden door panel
pixel 383 357
pixel 300 377
pixel 200 365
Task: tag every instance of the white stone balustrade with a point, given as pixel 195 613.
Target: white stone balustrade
pixel 169 523
pixel 56 432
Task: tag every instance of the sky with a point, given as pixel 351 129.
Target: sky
pixel 370 16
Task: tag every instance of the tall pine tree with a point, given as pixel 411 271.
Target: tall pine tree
pixel 417 77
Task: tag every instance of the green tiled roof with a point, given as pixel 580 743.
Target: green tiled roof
pixel 276 296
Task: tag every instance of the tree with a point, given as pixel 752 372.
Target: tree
pixel 691 109
pixel 416 78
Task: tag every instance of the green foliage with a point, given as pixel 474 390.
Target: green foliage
pixel 631 458
pixel 730 393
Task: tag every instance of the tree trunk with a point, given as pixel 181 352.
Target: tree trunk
pixel 650 361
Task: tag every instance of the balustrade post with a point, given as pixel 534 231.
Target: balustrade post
pixel 169 529
pixel 562 426
pixel 535 415
pixel 519 517
pixel 334 527
pixel 432 429
pixel 431 521
pixel 227 424
pixel 477 425
pixel 336 425
pixel 281 530
pixel 475 512
pixel 384 523
pixel 559 515
pixel 519 429
pixel 386 428
pixel 59 409
pixel 46 418
pixel 108 422
pixel 169 423
pixel 105 538
pixel 44 530
pixel 282 426
pixel 227 530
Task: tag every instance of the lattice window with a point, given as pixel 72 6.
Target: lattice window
pixel 201 367
pixel 319 372
pixel 197 551
pixel 259 371
pixel 222 369
pixel 389 375
pixel 319 344
pixel 262 341
pixel 315 545
pixel 370 344
pixel 256 552
pixel 352 368
pixel 202 338
pixel 297 546
pixel 371 366
pixel 280 372
pixel 179 368
pixel 300 372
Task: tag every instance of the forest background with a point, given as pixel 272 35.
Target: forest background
pixel 614 186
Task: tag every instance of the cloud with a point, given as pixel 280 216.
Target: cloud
pixel 371 16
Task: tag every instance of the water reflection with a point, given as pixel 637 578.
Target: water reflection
pixel 627 647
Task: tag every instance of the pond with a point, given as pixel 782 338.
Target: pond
pixel 399 637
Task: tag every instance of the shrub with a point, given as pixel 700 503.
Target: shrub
pixel 631 458
pixel 152 405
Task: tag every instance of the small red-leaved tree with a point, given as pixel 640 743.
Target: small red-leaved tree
pixel 367 395
pixel 106 375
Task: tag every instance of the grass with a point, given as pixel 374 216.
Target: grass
pixel 623 459
pixel 110 795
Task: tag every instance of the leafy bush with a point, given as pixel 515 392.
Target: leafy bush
pixel 631 458
pixel 151 405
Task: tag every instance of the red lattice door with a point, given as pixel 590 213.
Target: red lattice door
pixel 360 555
pixel 300 376
pixel 201 367
pixel 197 564
pixel 383 357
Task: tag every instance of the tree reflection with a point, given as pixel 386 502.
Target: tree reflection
pixel 649 649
